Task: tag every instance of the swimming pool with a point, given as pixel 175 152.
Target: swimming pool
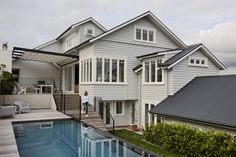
pixel 67 138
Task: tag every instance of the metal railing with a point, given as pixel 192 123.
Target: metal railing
pixel 99 107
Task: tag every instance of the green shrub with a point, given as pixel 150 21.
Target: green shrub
pixel 191 141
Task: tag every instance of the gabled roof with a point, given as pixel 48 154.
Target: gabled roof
pixel 188 51
pixel 148 14
pixel 45 44
pixel 209 99
pixel 80 23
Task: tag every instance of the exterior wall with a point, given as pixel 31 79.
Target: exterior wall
pixel 196 125
pixel 54 47
pixel 183 73
pixel 79 33
pixel 34 70
pixel 35 101
pixel 6 59
pixel 126 34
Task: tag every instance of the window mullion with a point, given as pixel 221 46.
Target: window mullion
pixel 149 72
pixel 103 69
pixel 156 70
pixel 118 70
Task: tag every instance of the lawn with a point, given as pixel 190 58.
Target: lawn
pixel 138 140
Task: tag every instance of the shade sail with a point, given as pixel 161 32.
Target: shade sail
pixel 43 56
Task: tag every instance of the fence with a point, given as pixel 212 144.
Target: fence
pixel 68 104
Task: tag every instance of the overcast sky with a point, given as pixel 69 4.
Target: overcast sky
pixel 29 23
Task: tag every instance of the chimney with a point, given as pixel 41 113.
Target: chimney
pixel 4 46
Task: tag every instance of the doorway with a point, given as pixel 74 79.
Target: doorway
pixel 16 74
pixel 76 78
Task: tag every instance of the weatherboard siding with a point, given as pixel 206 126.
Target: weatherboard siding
pixel 129 52
pixel 126 34
pixel 54 47
pixel 183 73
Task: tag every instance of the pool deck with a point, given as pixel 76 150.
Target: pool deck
pixel 8 146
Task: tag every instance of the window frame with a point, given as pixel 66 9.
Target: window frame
pixel 86 75
pixel 205 59
pixel 110 77
pixel 123 108
pixel 148 33
pixel 86 30
pixel 150 72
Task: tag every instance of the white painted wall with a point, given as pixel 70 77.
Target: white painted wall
pixel 32 69
pixel 35 101
pixel 6 59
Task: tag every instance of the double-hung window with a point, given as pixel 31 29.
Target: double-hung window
pixel 144 34
pixel 110 70
pixel 119 108
pixel 86 70
pixel 152 72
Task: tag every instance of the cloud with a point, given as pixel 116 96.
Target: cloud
pixel 221 41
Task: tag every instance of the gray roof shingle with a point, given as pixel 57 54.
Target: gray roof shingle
pixel 210 99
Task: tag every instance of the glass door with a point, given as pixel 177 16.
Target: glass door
pixel 69 79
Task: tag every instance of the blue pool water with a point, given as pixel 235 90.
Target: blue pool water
pixel 67 138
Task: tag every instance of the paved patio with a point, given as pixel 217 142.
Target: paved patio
pixel 8 147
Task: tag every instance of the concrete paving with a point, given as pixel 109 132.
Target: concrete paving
pixel 8 146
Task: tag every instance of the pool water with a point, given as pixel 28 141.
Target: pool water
pixel 67 138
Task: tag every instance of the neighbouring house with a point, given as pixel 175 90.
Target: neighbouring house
pixel 205 101
pixel 132 67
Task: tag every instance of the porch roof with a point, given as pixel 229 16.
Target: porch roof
pixel 43 56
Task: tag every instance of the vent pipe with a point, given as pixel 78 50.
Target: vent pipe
pixel 4 46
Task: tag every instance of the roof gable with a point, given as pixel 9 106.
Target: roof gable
pixel 153 19
pixel 187 52
pixel 80 23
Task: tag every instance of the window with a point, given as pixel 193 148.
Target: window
pixel 121 71
pixel 107 70
pixel 89 32
pixel 119 107
pixel 147 35
pixel 86 70
pixel 70 41
pixel 114 70
pixel 146 71
pixel 99 70
pixel 153 73
pixel 138 34
pixel 110 70
pixel 198 61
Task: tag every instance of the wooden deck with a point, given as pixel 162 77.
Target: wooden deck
pixel 8 147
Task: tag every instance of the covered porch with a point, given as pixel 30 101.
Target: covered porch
pixel 43 72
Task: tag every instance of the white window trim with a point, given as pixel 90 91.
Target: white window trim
pixel 123 109
pixel 86 29
pixel 149 82
pixel 148 29
pixel 84 60
pixel 198 58
pixel 114 83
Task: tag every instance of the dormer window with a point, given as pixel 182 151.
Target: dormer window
pixel 89 32
pixel 195 61
pixel 144 34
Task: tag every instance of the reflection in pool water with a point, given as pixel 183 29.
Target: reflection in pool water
pixel 67 138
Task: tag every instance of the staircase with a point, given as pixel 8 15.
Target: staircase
pixel 93 119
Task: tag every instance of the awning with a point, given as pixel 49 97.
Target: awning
pixel 43 56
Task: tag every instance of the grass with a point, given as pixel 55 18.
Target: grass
pixel 138 140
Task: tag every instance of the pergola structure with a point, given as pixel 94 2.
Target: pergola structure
pixel 59 59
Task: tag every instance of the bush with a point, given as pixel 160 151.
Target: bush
pixel 191 141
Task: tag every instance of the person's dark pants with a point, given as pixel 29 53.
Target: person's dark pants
pixel 86 107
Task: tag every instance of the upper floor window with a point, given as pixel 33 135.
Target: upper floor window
pixel 144 34
pixel 70 41
pixel 89 31
pixel 153 73
pixel 110 70
pixel 86 70
pixel 195 61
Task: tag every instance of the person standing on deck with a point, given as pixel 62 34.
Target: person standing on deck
pixel 85 101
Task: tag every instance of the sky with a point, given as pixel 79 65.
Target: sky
pixel 29 23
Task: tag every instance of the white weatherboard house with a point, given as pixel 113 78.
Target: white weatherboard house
pixel 132 67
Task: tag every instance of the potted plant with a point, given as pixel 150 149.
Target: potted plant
pixel 6 82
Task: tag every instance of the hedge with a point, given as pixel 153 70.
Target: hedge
pixel 191 141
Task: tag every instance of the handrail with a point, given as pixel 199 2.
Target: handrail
pixel 109 113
